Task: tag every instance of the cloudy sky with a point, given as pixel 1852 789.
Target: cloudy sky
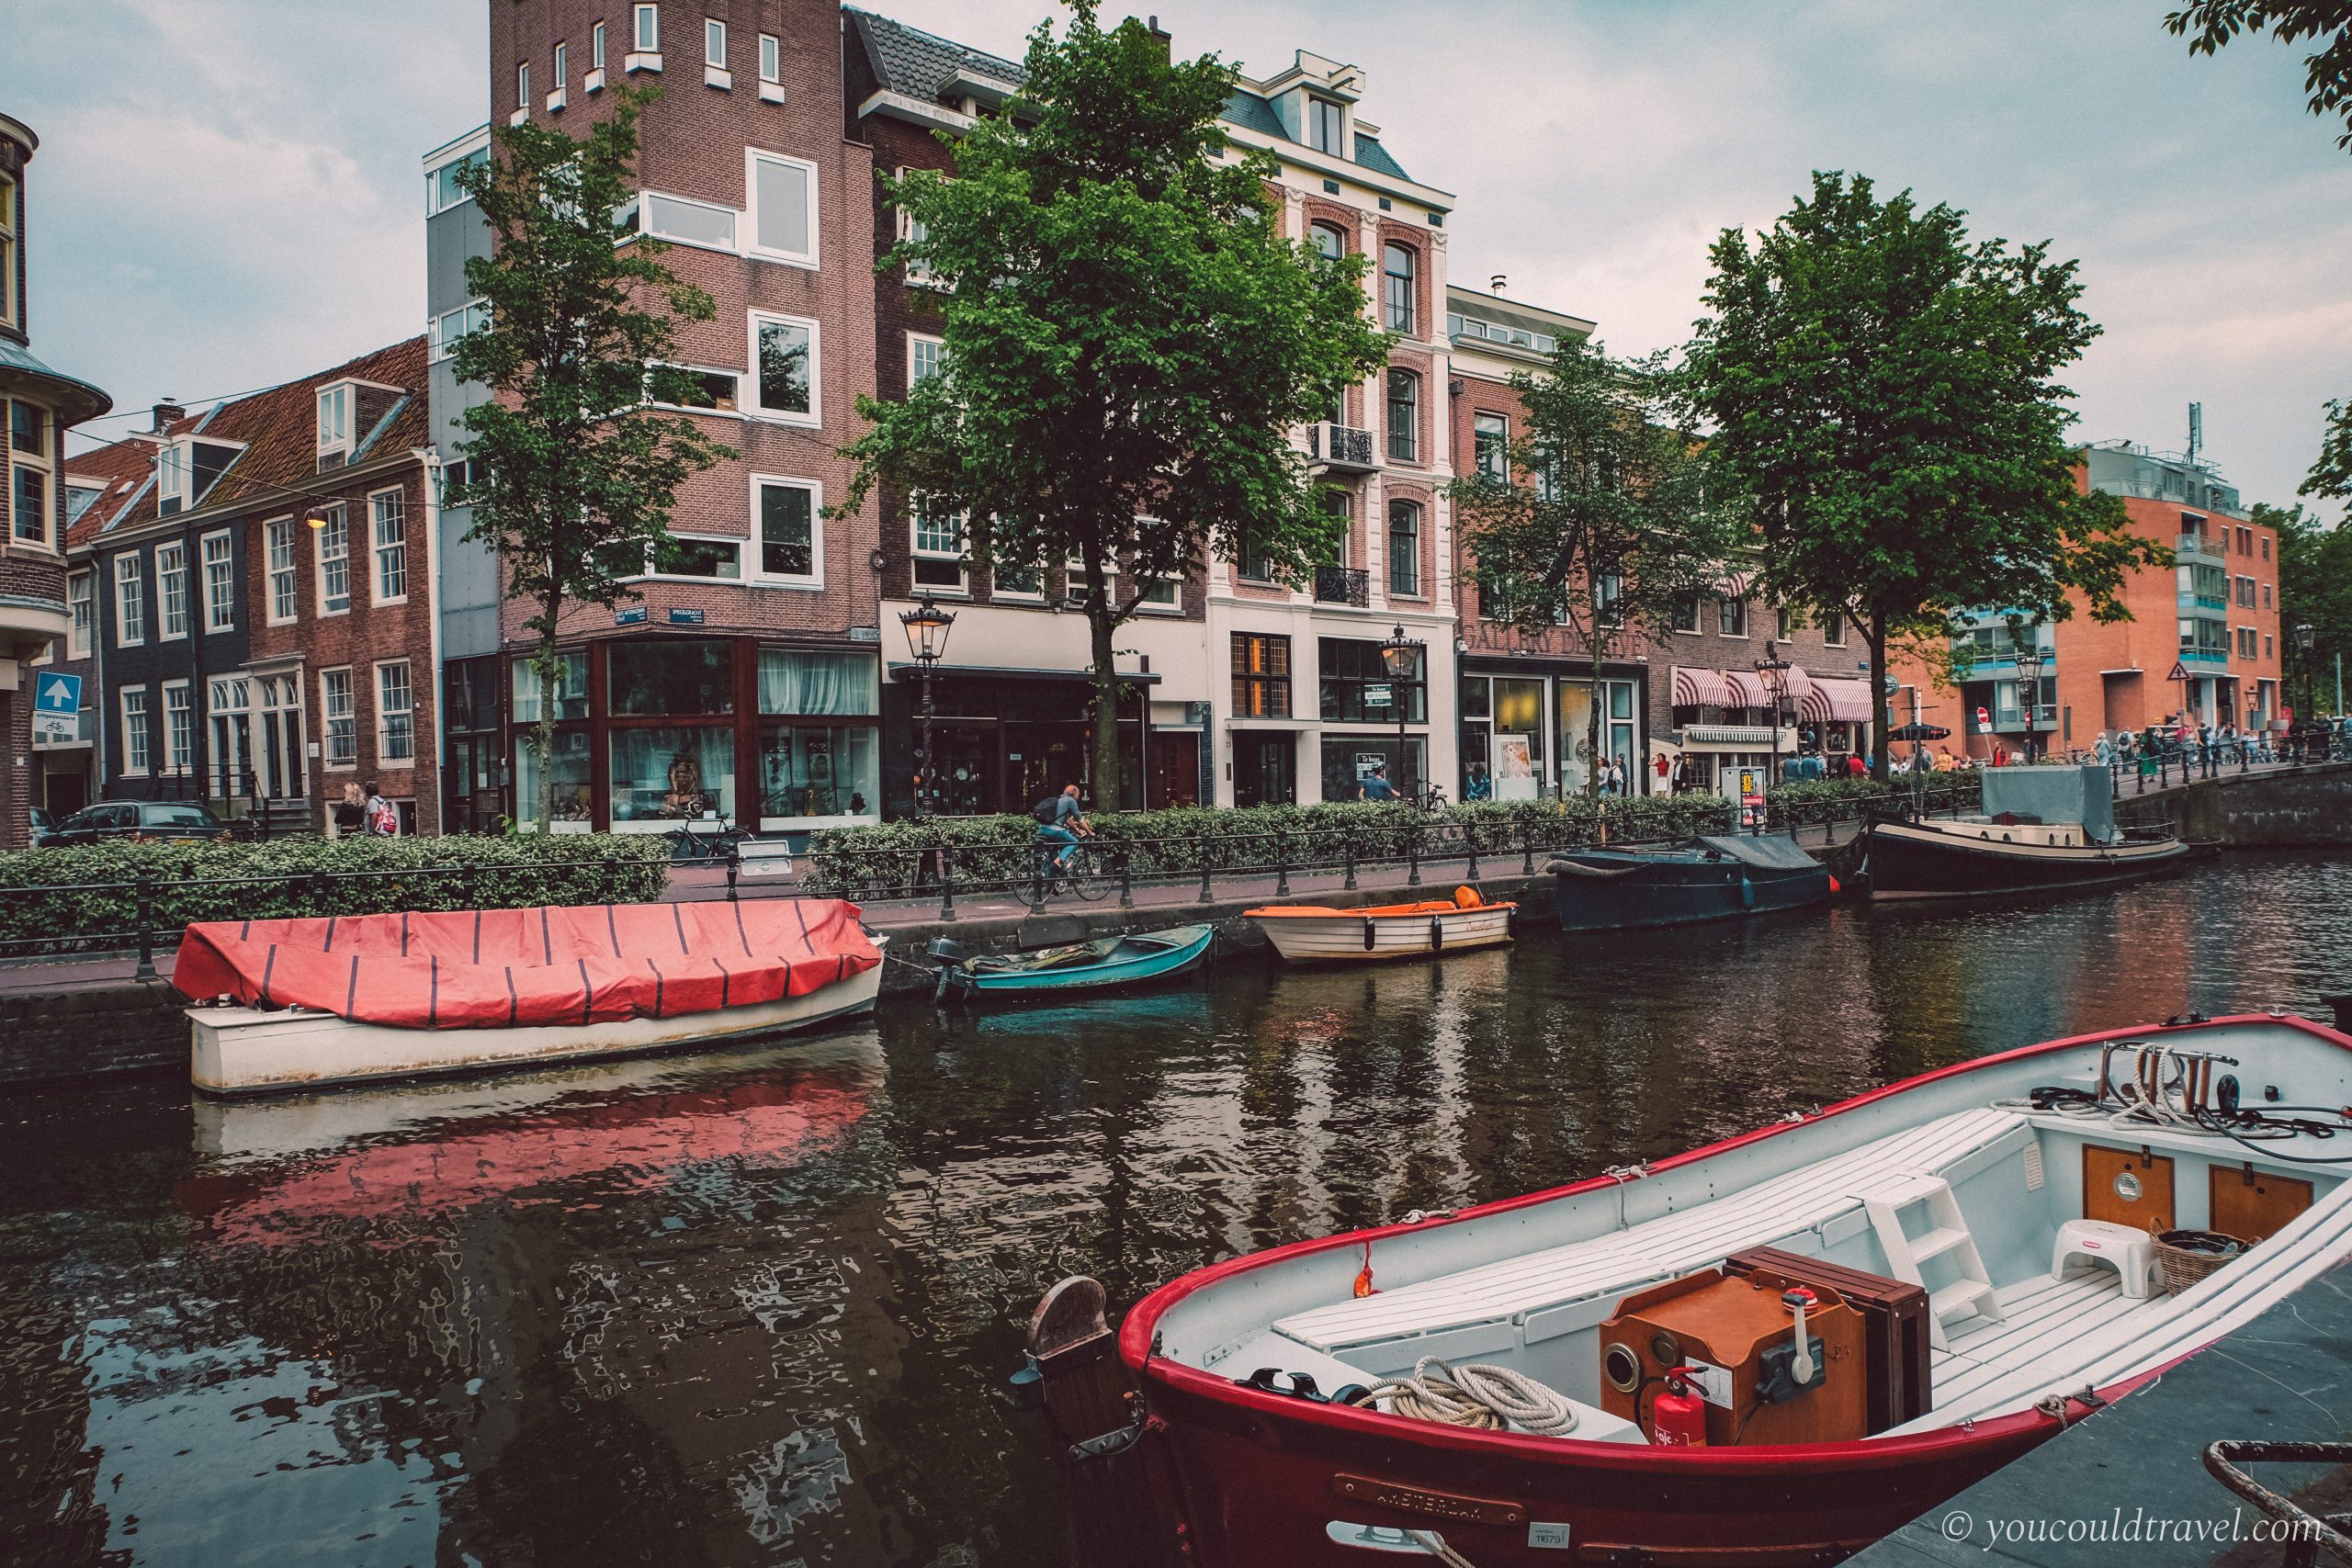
pixel 235 198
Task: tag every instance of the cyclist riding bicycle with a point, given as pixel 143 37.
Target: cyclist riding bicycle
pixel 1060 824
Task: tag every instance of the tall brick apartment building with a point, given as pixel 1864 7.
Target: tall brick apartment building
pixel 2213 617
pixel 40 405
pixel 252 598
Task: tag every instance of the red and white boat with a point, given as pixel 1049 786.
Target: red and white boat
pixel 2001 1208
pixel 344 1000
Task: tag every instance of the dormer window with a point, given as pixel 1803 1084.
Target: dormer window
pixel 171 478
pixel 334 423
pixel 1327 125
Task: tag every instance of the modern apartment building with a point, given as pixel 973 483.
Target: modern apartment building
pixel 40 405
pixel 2202 645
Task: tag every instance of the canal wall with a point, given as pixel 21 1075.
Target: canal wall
pixel 2309 806
pixel 91 1032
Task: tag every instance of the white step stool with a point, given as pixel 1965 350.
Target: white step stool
pixel 2131 1253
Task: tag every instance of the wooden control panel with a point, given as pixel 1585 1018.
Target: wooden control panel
pixel 1735 1323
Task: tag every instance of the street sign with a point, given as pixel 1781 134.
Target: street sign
pixel 58 692
pixel 634 615
pixel 57 707
pixel 686 617
pixel 1984 719
pixel 2179 670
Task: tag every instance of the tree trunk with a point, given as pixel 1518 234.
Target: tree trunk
pixel 1875 635
pixel 1100 626
pixel 1598 645
pixel 543 732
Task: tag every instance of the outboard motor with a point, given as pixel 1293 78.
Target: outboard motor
pixel 946 953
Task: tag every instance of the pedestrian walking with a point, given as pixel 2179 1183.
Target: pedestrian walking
pixel 382 818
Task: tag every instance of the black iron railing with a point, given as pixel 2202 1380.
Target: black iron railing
pixel 1342 586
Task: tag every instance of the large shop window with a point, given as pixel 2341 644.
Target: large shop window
pixel 575 796
pixel 1357 688
pixel 655 678
pixel 570 689
pixel 811 765
pixel 671 773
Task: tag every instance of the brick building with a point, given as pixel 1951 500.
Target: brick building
pixel 258 581
pixel 40 405
pixel 2213 617
pixel 745 681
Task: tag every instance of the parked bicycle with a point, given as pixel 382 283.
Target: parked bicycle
pixel 705 838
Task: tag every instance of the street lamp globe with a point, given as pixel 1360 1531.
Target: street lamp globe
pixel 2029 660
pixel 927 626
pixel 1402 656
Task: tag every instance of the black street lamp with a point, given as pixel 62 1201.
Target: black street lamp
pixel 1774 670
pixel 926 627
pixel 1402 655
pixel 2029 659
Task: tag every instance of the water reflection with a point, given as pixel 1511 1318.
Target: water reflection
pixel 751 1307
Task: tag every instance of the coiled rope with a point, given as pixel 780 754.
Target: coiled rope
pixel 1486 1397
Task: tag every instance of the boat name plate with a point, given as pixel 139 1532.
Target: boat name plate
pixel 1425 1500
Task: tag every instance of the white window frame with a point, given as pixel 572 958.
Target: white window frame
pixel 164 575
pixel 757 565
pixel 645 36
pixel 997 590
pixel 735 413
pixel 650 575
pixel 561 79
pixel 171 475
pixel 597 47
pixel 960 558
pixel 915 341
pixel 749 236
pixel 377 547
pixel 277 532
pixel 327 718
pixel 146 749
pixel 176 758
pixel 523 87
pixel 645 222
pixel 319 559
pixel 129 572
pixel 714 43
pixel 226 619
pixel 1722 602
pixel 82 613
pixel 469 317
pixel 334 435
pixel 1833 630
pixel 751 404
pixel 771 61
pixel 384 712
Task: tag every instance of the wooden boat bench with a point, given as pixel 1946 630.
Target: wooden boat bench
pixel 1524 1300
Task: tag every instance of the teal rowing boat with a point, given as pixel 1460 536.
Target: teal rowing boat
pixel 1130 958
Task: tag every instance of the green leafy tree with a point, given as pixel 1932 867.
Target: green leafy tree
pixel 1882 389
pixel 1602 519
pixel 2210 25
pixel 2314 591
pixel 1129 340
pixel 572 475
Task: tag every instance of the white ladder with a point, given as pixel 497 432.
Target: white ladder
pixel 1947 1235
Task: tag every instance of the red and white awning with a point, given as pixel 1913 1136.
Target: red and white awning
pixel 1829 700
pixel 1703 689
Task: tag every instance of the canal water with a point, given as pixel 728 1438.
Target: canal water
pixel 755 1307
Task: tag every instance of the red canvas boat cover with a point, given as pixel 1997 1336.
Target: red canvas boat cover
pixel 503 968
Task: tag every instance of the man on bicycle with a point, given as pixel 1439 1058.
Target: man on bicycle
pixel 1061 824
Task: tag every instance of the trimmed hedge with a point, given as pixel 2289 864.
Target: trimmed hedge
pixel 891 860
pixel 68 895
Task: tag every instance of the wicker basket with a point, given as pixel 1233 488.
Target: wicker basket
pixel 2183 1257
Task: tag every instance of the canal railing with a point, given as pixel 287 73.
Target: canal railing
pixel 1205 864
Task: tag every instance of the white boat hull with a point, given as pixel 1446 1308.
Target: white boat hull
pixel 1358 939
pixel 239 1050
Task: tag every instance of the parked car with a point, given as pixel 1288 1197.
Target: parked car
pixel 133 821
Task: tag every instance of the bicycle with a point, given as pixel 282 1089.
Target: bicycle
pixel 718 843
pixel 1089 872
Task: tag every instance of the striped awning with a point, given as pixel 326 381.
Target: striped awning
pixel 1703 689
pixel 1833 701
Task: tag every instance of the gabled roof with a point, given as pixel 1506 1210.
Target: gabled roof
pixel 916 64
pixel 279 431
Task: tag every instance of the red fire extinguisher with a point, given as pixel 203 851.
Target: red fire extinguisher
pixel 1677 1416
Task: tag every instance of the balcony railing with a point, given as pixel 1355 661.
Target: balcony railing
pixel 1340 446
pixel 1342 586
pixel 2196 545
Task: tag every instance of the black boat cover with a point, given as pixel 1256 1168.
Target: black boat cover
pixel 1770 852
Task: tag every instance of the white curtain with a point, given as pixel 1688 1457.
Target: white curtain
pixel 794 681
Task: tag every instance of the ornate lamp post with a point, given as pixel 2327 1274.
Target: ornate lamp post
pixel 1774 670
pixel 2303 634
pixel 2029 660
pixel 926 627
pixel 1402 655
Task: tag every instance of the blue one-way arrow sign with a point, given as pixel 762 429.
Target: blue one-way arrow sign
pixel 57 694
